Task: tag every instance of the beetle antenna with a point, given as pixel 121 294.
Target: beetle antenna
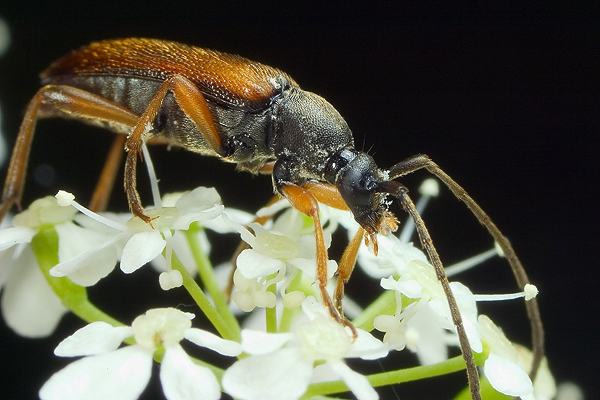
pixel 422 161
pixel 399 191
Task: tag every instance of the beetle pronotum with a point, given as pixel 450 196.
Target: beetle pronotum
pixel 250 114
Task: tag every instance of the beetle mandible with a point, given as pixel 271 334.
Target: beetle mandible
pixel 250 114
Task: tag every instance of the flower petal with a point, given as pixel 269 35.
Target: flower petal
pixel 88 268
pixel 252 264
pixel 14 235
pixel 282 375
pixel 119 375
pixel 85 256
pixel 408 287
pixel 496 340
pixel 273 208
pixel 7 258
pixel 506 376
pixel 544 385
pixel 468 311
pixel 140 249
pixel 95 338
pixel 259 342
pixel 211 341
pixel 308 266
pixel 198 200
pixel 181 248
pixel 358 384
pixel 367 346
pixel 394 256
pixel 229 222
pixel 183 222
pixel 425 334
pixel 182 379
pixel 29 305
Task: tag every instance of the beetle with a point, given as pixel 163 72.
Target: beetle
pixel 255 116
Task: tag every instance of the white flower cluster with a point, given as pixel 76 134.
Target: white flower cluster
pixel 276 272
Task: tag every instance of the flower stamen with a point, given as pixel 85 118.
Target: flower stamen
pixel 529 292
pixel 152 176
pixel 66 199
pixel 471 262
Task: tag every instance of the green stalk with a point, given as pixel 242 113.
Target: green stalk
pixel 486 390
pixel 287 315
pixel 74 297
pixel 203 302
pixel 271 312
pixel 449 366
pixel 207 275
pixel 384 304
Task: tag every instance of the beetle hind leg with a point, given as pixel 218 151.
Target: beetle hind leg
pixel 56 100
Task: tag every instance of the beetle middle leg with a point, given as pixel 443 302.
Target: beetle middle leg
pixel 346 266
pixel 106 181
pixel 193 104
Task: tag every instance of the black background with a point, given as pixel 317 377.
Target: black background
pixel 506 99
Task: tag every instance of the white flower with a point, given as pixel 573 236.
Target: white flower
pixel 29 305
pixel 544 385
pixel 290 241
pixel 502 367
pixel 109 372
pixel 569 391
pixel 249 293
pixel 136 243
pixel 421 326
pixel 281 365
pixel 228 221
pixel 417 328
pixel 393 257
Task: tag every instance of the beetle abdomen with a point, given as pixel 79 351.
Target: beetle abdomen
pixel 226 78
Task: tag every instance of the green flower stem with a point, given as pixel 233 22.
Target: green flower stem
pixel 271 312
pixel 74 297
pixel 384 304
pixel 486 390
pixel 398 376
pixel 203 302
pixel 45 248
pixel 160 352
pixel 287 316
pixel 207 275
pixel 288 313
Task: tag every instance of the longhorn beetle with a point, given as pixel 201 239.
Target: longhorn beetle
pixel 250 114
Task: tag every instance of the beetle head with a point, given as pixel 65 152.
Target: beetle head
pixel 359 180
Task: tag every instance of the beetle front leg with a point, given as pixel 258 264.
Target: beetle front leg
pixel 305 202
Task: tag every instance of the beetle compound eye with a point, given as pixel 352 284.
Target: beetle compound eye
pixel 369 183
pixel 337 162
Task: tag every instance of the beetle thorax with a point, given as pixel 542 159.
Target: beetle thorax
pixel 308 129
